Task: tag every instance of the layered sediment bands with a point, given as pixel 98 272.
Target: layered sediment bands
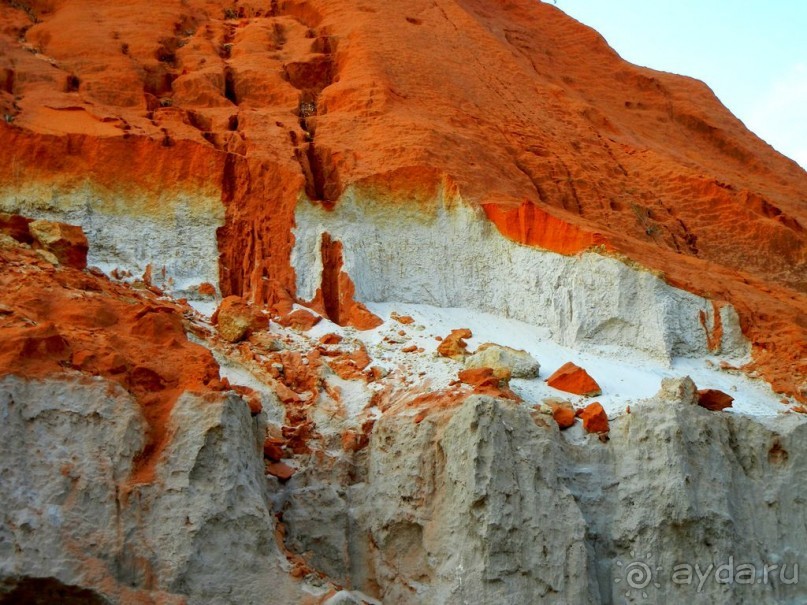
pixel 448 257
pixel 139 203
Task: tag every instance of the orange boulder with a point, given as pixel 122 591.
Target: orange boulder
pixel 236 319
pixel 574 379
pixel 563 413
pixel 66 242
pixel 594 418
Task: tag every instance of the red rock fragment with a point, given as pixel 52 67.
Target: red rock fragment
pixel 350 366
pixel 574 379
pixel 454 345
pixel 147 275
pixel 403 319
pixel 280 470
pixel 487 381
pixel 374 373
pixel 297 437
pixel 563 413
pixel 273 449
pixel 330 339
pixel 236 319
pixel 251 397
pixel 714 400
pixel 206 289
pixel 66 242
pixel 299 319
pixel 410 349
pixel 594 418
pixel 354 441
pixel 254 403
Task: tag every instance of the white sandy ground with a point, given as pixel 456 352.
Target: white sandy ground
pixel 626 377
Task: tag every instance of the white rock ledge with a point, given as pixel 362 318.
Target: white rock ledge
pixel 452 256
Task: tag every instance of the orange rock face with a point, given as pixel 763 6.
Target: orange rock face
pixel 574 379
pixel 569 146
pixel 714 400
pixel 594 418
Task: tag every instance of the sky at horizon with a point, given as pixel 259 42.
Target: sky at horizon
pixel 752 54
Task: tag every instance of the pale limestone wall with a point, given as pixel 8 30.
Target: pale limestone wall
pixel 480 504
pixel 203 528
pixel 451 256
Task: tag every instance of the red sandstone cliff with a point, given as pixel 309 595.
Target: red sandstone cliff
pixel 514 105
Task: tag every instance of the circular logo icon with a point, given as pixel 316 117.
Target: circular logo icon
pixel 637 574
